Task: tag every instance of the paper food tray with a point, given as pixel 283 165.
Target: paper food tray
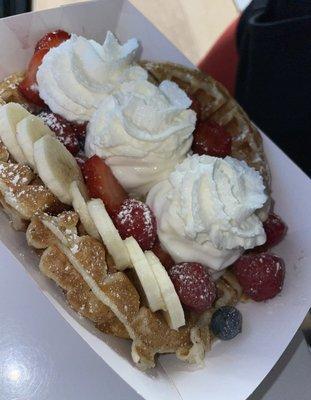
pixel 233 369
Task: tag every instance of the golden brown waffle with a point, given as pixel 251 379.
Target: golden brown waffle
pixel 77 264
pixel 4 154
pixel 217 105
pixel 9 91
pixel 80 265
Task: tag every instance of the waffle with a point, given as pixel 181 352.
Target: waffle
pixel 80 265
pixel 217 105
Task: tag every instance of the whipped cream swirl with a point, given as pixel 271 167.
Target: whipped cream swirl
pixel 142 131
pixel 206 210
pixel 75 76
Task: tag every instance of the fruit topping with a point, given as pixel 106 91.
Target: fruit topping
pixel 79 129
pixel 226 322
pixel 260 275
pixel 211 139
pixel 52 39
pixel 108 232
pixel 80 158
pixel 195 106
pixel 29 87
pixel 102 184
pixel 194 285
pixel 275 230
pixel 135 218
pixel 172 310
pixel 63 130
pixel 162 255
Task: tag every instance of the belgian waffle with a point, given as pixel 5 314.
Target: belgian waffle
pixel 80 264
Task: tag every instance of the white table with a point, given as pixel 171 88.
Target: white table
pixel 42 358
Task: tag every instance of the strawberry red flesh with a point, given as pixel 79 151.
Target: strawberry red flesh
pixel 52 39
pixel 260 275
pixel 162 255
pixel 102 184
pixel 211 139
pixel 29 87
pixel 63 130
pixel 135 218
pixel 194 286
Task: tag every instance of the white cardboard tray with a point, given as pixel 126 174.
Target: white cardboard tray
pixel 233 369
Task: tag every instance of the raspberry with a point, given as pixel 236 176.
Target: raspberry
pixel 211 139
pixel 135 218
pixel 275 230
pixel 260 275
pixel 194 285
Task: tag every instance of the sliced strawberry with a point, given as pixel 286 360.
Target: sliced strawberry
pixel 211 139
pixel 102 184
pixel 29 87
pixel 52 39
pixel 135 218
pixel 63 130
pixel 162 255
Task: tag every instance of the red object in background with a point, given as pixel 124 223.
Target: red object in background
pixel 222 59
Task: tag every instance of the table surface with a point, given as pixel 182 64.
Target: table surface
pixel 43 358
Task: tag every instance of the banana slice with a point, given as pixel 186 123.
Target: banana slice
pixel 28 131
pixel 56 167
pixel 80 206
pixel 109 234
pixel 145 275
pixel 10 115
pixel 173 310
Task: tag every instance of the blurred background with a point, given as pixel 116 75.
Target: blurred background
pixel 193 26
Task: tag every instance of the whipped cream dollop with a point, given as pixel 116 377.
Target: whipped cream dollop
pixel 75 76
pixel 206 210
pixel 142 132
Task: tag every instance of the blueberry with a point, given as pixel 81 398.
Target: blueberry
pixel 226 322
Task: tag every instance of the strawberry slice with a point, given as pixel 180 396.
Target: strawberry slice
pixel 102 184
pixel 162 255
pixel 52 39
pixel 29 87
pixel 211 139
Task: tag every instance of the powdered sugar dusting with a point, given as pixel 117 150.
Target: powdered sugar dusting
pixel 136 219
